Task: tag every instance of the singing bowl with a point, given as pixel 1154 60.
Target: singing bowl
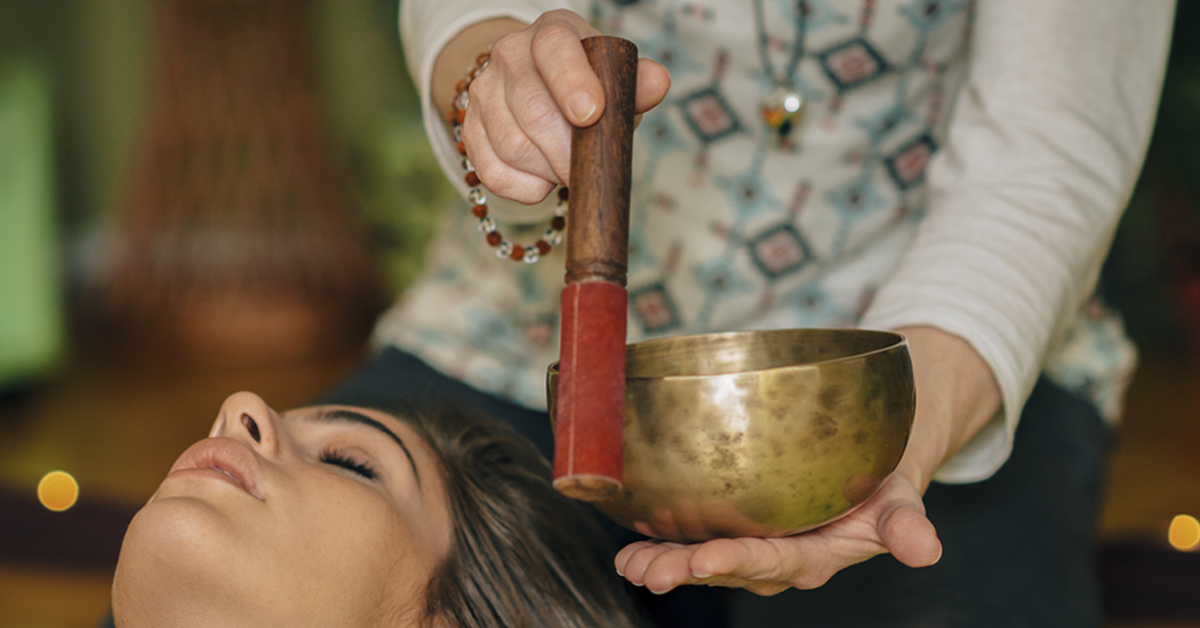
pixel 760 433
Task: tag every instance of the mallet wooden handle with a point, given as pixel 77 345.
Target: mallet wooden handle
pixel 590 413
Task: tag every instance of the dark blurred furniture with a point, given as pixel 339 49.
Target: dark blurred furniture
pixel 238 242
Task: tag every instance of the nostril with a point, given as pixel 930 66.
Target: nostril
pixel 251 427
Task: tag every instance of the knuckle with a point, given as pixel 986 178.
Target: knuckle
pixel 550 38
pixel 538 112
pixel 506 48
pixel 510 145
pixel 477 93
pixel 533 193
pixel 557 17
pixel 491 174
pixel 473 134
pixel 515 150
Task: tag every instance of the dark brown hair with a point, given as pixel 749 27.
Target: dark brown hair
pixel 522 554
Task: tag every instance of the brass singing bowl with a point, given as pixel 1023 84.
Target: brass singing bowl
pixel 760 433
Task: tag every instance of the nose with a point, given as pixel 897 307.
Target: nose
pixel 246 417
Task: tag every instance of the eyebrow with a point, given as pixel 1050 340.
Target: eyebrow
pixel 350 416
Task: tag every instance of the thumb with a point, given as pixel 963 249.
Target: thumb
pixel 653 81
pixel 909 535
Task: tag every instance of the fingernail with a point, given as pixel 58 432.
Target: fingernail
pixel 659 592
pixel 582 106
pixel 696 574
pixel 620 574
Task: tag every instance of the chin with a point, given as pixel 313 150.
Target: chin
pixel 180 566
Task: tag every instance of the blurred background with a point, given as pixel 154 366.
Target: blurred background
pixel 129 307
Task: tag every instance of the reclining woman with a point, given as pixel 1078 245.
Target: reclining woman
pixel 349 516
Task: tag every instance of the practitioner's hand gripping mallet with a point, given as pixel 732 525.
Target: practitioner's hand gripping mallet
pixel 590 411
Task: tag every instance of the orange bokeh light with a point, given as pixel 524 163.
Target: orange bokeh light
pixel 58 491
pixel 1184 533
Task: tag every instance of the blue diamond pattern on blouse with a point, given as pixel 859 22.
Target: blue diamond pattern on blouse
pixel 856 199
pixel 879 125
pixel 720 278
pixel 747 192
pixel 709 115
pixel 852 63
pixel 812 304
pixel 907 165
pixel 780 251
pixel 658 134
pixel 654 309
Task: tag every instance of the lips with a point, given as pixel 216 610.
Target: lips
pixel 225 458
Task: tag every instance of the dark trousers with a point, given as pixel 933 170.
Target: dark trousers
pixel 1019 548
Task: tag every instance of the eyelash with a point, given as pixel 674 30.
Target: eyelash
pixel 337 458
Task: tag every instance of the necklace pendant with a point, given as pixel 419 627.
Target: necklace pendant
pixel 782 111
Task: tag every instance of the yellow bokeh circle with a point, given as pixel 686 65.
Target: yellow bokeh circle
pixel 58 491
pixel 1184 533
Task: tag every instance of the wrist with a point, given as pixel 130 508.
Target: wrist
pixel 956 397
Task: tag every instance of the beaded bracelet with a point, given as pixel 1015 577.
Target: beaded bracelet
pixel 477 196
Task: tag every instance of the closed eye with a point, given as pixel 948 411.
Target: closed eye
pixel 339 459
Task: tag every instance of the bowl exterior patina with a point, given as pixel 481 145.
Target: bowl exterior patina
pixel 761 433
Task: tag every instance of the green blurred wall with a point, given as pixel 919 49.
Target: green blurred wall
pixel 32 329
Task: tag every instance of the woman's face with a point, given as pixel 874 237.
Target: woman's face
pixel 323 516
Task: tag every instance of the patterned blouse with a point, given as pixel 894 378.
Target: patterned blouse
pixel 957 164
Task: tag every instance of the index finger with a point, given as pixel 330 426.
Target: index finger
pixel 564 67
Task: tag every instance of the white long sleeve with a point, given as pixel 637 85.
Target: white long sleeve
pixel 1046 141
pixel 426 27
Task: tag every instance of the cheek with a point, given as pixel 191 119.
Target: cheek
pixel 347 547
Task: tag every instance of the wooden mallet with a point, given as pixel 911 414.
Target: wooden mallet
pixel 590 412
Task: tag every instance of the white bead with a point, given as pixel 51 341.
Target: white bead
pixel 477 197
pixel 487 225
pixel 552 237
pixel 504 250
pixel 531 255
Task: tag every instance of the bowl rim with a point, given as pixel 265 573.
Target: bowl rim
pixel 899 341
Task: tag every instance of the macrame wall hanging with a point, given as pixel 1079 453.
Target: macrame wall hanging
pixel 237 241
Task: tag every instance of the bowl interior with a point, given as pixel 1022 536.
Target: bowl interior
pixel 744 351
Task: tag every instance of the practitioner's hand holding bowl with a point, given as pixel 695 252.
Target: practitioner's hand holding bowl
pixel 891 521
